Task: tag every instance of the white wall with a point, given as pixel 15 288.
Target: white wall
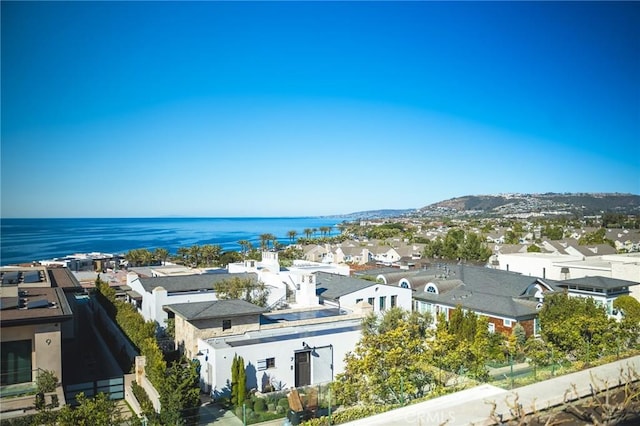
pixel 153 302
pixel 377 291
pixel 216 370
pixel 535 264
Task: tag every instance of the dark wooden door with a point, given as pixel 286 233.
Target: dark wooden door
pixel 303 369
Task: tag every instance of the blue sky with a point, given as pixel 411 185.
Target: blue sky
pixel 121 109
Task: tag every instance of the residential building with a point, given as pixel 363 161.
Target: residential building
pixel 564 266
pixel 150 295
pixel 602 289
pixel 35 318
pixel 346 292
pixel 504 298
pixel 281 349
pixel 384 254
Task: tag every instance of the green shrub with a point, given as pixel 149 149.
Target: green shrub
pixel 143 399
pixel 280 409
pixel 320 421
pixel 46 381
pixel 349 414
pixel 260 405
pixel 284 403
pixel 271 407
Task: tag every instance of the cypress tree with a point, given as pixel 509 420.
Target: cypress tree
pixel 242 381
pixel 234 380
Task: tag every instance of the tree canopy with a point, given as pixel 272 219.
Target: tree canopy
pixel 242 288
pixel 458 245
pixel 97 411
pixel 577 326
pixel 388 364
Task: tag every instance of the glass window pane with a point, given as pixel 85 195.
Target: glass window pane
pixel 16 362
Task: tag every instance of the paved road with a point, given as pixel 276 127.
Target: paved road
pixel 473 406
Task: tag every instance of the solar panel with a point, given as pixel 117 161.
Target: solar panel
pixel 11 277
pixel 31 277
pixel 8 303
pixel 42 303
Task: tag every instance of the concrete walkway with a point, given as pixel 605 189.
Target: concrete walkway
pixel 473 406
pixel 213 414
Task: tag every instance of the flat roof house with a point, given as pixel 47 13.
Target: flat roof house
pixel 35 316
pixel 281 349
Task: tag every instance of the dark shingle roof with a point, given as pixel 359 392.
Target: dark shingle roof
pixel 598 282
pixel 486 290
pixel 191 282
pixel 215 309
pixel 334 286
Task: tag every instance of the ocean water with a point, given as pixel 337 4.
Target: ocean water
pixel 26 240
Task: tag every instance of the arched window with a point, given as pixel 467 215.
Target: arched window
pixel 404 283
pixel 431 288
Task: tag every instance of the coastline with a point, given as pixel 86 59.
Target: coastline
pixel 25 240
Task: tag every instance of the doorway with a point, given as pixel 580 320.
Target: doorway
pixel 303 368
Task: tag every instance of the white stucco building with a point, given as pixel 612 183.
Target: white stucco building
pixel 346 292
pixel 281 349
pixel 150 295
pixel 565 267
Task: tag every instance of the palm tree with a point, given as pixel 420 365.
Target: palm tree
pixel 308 232
pixel 342 227
pixel 133 257
pixel 314 230
pixel 183 252
pixel 244 247
pixel 292 235
pixel 146 257
pixel 211 254
pixel 194 255
pixel 161 254
pixel 324 230
pixel 264 241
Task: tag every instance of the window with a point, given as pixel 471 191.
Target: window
pixel 271 363
pixel 383 303
pixel 263 364
pixel 536 326
pixel 507 322
pixel 16 362
pixel 394 301
pixel 226 325
pixel 358 301
pixel 492 327
pixel 371 301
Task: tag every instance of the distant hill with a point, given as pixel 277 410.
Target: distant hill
pixel 535 204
